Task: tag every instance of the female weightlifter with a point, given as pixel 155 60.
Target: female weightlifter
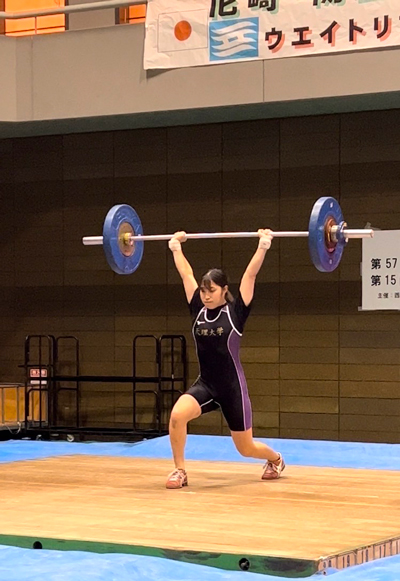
pixel 218 322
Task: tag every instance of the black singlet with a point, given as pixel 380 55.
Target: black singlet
pixel 221 383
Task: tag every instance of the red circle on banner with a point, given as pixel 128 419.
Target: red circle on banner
pixel 182 30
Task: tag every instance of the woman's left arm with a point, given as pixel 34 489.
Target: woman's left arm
pixel 249 277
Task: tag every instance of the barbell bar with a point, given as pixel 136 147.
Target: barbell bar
pixel 327 235
pixel 349 233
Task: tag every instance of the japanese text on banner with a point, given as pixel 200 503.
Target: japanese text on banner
pixel 186 33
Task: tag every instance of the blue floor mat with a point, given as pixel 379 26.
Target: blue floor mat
pixel 30 565
pixel 218 448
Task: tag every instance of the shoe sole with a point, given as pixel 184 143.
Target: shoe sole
pixel 175 487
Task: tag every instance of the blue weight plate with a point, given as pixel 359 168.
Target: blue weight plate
pixel 120 219
pixel 325 258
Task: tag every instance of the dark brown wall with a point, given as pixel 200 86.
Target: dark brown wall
pixel 316 367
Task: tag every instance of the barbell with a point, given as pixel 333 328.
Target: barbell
pixel 327 235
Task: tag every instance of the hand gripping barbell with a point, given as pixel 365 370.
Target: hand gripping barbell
pixel 327 236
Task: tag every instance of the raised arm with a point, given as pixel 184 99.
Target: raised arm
pixel 249 277
pixel 183 265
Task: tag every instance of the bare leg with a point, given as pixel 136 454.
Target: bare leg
pixel 250 448
pixel 185 409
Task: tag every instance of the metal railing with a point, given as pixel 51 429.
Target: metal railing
pixel 11 404
pixel 61 11
pixel 70 9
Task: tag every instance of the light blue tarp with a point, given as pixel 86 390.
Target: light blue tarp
pixel 37 565
pixel 218 448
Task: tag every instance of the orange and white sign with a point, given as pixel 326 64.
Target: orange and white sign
pixel 187 33
pixel 38 373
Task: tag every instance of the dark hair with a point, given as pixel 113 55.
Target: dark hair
pixel 218 277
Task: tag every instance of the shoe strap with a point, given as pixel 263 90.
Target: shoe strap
pixel 177 474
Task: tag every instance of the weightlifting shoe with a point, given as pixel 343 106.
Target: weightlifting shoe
pixel 273 470
pixel 177 479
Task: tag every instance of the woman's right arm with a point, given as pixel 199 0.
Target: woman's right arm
pixel 182 264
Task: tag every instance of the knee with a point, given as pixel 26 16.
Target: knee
pixel 245 450
pixel 185 409
pixel 177 418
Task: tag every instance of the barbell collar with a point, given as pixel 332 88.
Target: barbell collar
pixel 92 240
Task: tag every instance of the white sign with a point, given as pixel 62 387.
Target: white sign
pixel 188 33
pixel 381 271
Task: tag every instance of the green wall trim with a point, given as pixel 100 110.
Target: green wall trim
pixel 299 108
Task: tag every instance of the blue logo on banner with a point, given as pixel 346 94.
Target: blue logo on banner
pixel 234 39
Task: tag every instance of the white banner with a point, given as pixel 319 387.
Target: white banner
pixel 381 271
pixel 187 33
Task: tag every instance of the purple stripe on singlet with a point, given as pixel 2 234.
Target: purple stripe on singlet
pixel 234 346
